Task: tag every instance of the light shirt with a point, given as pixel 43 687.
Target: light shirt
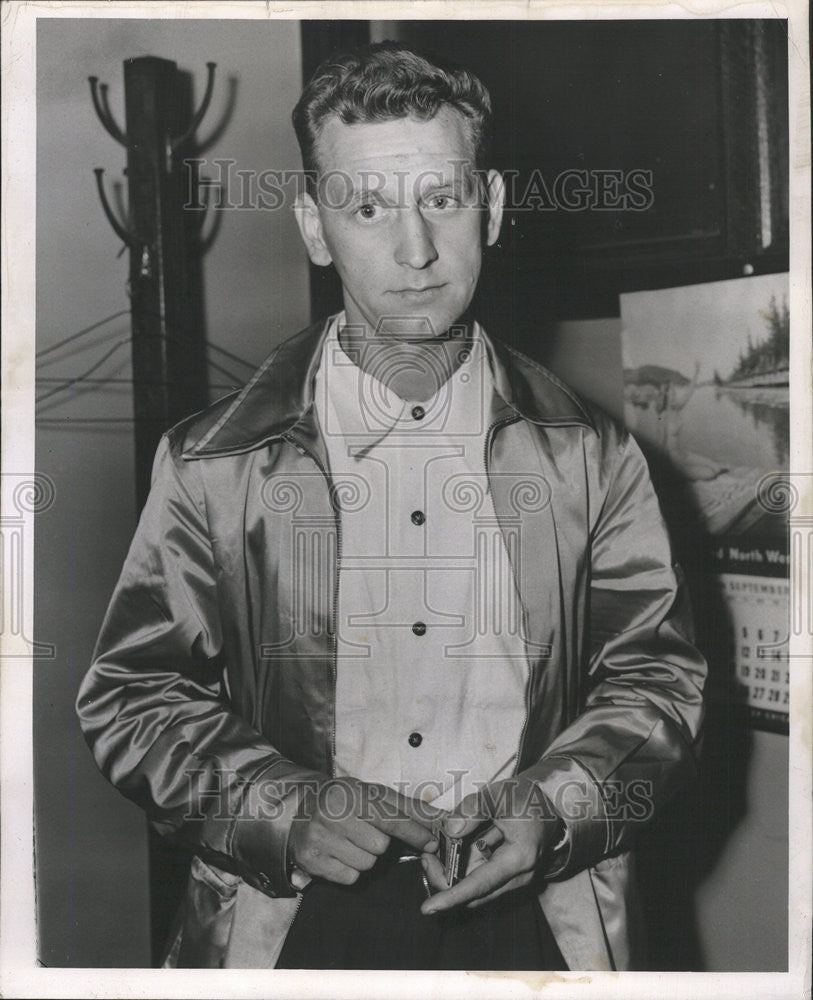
pixel 432 668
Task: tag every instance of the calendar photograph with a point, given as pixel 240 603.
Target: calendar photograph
pixel 706 394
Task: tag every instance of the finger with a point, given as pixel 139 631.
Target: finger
pixel 348 853
pixel 483 880
pixel 422 812
pixel 410 820
pixel 300 879
pixel 333 870
pixel 411 833
pixel 466 816
pixel 405 829
pixel 365 836
pixel 488 840
pixel 515 883
pixel 434 873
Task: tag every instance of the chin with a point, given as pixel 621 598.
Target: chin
pixel 416 326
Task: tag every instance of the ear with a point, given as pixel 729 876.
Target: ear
pixel 495 192
pixel 310 226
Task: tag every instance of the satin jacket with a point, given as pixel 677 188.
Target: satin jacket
pixel 210 699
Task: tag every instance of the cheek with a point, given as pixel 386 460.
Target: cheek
pixel 463 246
pixel 467 266
pixel 353 256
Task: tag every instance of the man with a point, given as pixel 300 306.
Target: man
pixel 403 585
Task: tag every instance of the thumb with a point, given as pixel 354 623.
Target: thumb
pixel 456 826
pixel 465 817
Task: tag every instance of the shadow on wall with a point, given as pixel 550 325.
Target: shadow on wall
pixel 686 842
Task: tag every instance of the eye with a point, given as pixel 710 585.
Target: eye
pixel 368 210
pixel 441 202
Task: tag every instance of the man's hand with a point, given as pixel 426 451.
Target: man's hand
pixel 524 825
pixel 344 825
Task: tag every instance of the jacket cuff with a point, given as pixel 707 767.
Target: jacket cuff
pixel 576 798
pixel 260 836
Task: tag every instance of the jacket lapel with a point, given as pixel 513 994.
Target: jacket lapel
pixel 280 394
pixel 273 401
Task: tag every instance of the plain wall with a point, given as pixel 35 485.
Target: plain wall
pixel 742 905
pixel 587 355
pixel 92 885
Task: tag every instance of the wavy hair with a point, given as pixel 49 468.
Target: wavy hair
pixel 387 81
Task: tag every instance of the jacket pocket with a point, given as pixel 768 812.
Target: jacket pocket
pixel 206 918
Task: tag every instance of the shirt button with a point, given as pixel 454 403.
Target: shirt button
pixel 415 739
pixel 419 628
pixel 418 517
pixel 418 413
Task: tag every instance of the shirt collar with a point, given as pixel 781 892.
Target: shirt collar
pixel 364 411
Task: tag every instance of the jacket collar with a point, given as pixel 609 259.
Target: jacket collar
pixel 279 396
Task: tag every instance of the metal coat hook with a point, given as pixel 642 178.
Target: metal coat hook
pixel 103 111
pixel 198 117
pixel 121 209
pixel 137 237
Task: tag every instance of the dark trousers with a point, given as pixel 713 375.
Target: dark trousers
pixel 377 924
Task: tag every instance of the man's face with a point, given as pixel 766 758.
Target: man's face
pixel 401 216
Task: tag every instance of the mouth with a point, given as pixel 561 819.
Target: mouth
pixel 418 294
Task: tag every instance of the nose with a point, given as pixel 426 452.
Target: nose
pixel 415 247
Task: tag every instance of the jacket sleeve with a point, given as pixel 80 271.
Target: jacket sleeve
pixel 634 742
pixel 154 708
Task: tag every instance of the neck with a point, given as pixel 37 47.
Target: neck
pixel 413 369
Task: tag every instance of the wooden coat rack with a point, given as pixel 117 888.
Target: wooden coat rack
pixel 163 232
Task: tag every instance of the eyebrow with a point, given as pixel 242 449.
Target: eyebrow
pixel 457 187
pixel 460 183
pixel 360 196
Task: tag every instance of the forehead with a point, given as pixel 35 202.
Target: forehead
pixel 399 144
